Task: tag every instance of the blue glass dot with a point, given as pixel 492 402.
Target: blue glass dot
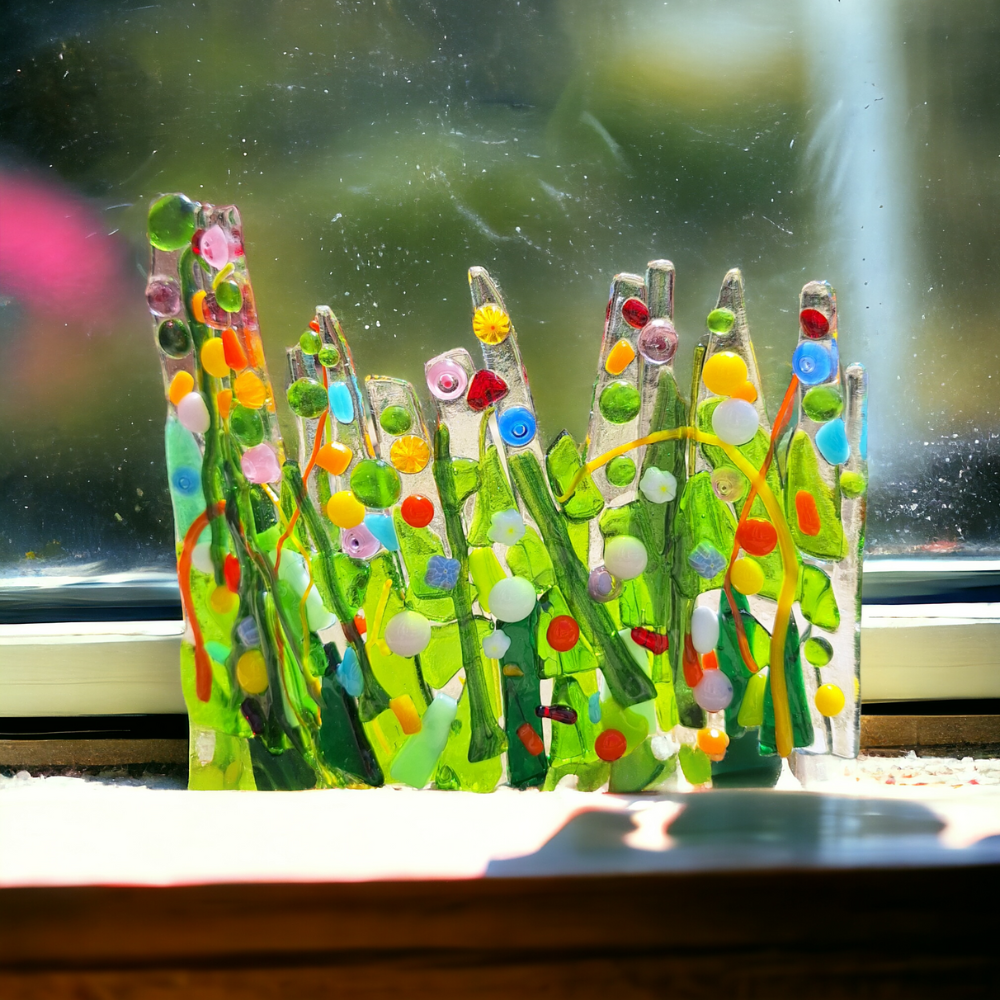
pixel 341 403
pixel 248 633
pixel 517 426
pixel 831 439
pixel 812 362
pixel 186 481
pixel 381 526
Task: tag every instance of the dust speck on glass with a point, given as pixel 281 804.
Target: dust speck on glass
pixel 381 148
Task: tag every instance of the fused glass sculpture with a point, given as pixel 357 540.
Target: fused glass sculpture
pixel 431 596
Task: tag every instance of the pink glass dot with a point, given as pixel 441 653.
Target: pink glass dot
pixel 657 342
pixel 260 464
pixel 215 247
pixel 359 542
pixel 163 295
pixel 446 379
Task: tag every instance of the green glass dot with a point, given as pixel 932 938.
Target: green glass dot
pixel 619 402
pixel 171 222
pixel 852 484
pixel 307 397
pixel 818 651
pixel 329 357
pixel 396 420
pixel 375 483
pixel 721 321
pixel 310 342
pixel 246 425
pixel 823 402
pixel 229 296
pixel 621 471
pixel 174 338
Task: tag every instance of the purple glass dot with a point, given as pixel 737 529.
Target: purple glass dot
pixel 359 542
pixel 215 247
pixel 163 296
pixel 446 379
pixel 658 341
pixel 714 691
pixel 602 586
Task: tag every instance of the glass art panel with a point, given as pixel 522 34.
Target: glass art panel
pixel 430 597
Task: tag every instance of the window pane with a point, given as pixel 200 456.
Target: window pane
pixel 378 150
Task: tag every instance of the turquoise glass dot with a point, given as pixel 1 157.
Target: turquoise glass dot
pixel 517 426
pixel 341 404
pixel 812 362
pixel 831 439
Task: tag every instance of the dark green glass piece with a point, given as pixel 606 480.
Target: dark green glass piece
pixel 521 695
pixel 174 338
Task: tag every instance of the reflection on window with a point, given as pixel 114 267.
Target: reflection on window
pixel 381 150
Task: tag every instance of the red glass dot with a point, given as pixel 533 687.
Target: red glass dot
pixel 314 326
pixel 359 622
pixel 562 633
pixel 814 323
pixel 231 571
pixel 531 741
pixel 757 536
pixel 485 389
pixel 417 511
pixel 635 313
pixel 610 745
pixel 196 241
pixel 652 641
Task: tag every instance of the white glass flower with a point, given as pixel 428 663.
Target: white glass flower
pixel 496 644
pixel 506 527
pixel 658 486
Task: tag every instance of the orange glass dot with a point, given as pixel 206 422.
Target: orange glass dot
pixel 417 511
pixel 250 390
pixel 180 385
pixel 334 458
pixel 747 392
pixel 691 663
pixel 710 661
pixel 224 401
pixel 406 714
pixel 409 454
pixel 619 357
pixel 198 306
pixel 531 741
pixel 713 742
pixel 223 601
pixel 806 513
pixel 235 355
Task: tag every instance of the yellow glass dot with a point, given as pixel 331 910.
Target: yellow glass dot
pixel 724 373
pixel 406 714
pixel 198 305
pixel 223 601
pixel 250 390
pixel 829 700
pixel 345 509
pixel 213 358
pixel 619 357
pixel 409 454
pixel 747 576
pixel 180 385
pixel 491 324
pixel 251 672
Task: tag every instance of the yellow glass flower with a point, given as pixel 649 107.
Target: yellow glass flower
pixel 409 454
pixel 491 324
